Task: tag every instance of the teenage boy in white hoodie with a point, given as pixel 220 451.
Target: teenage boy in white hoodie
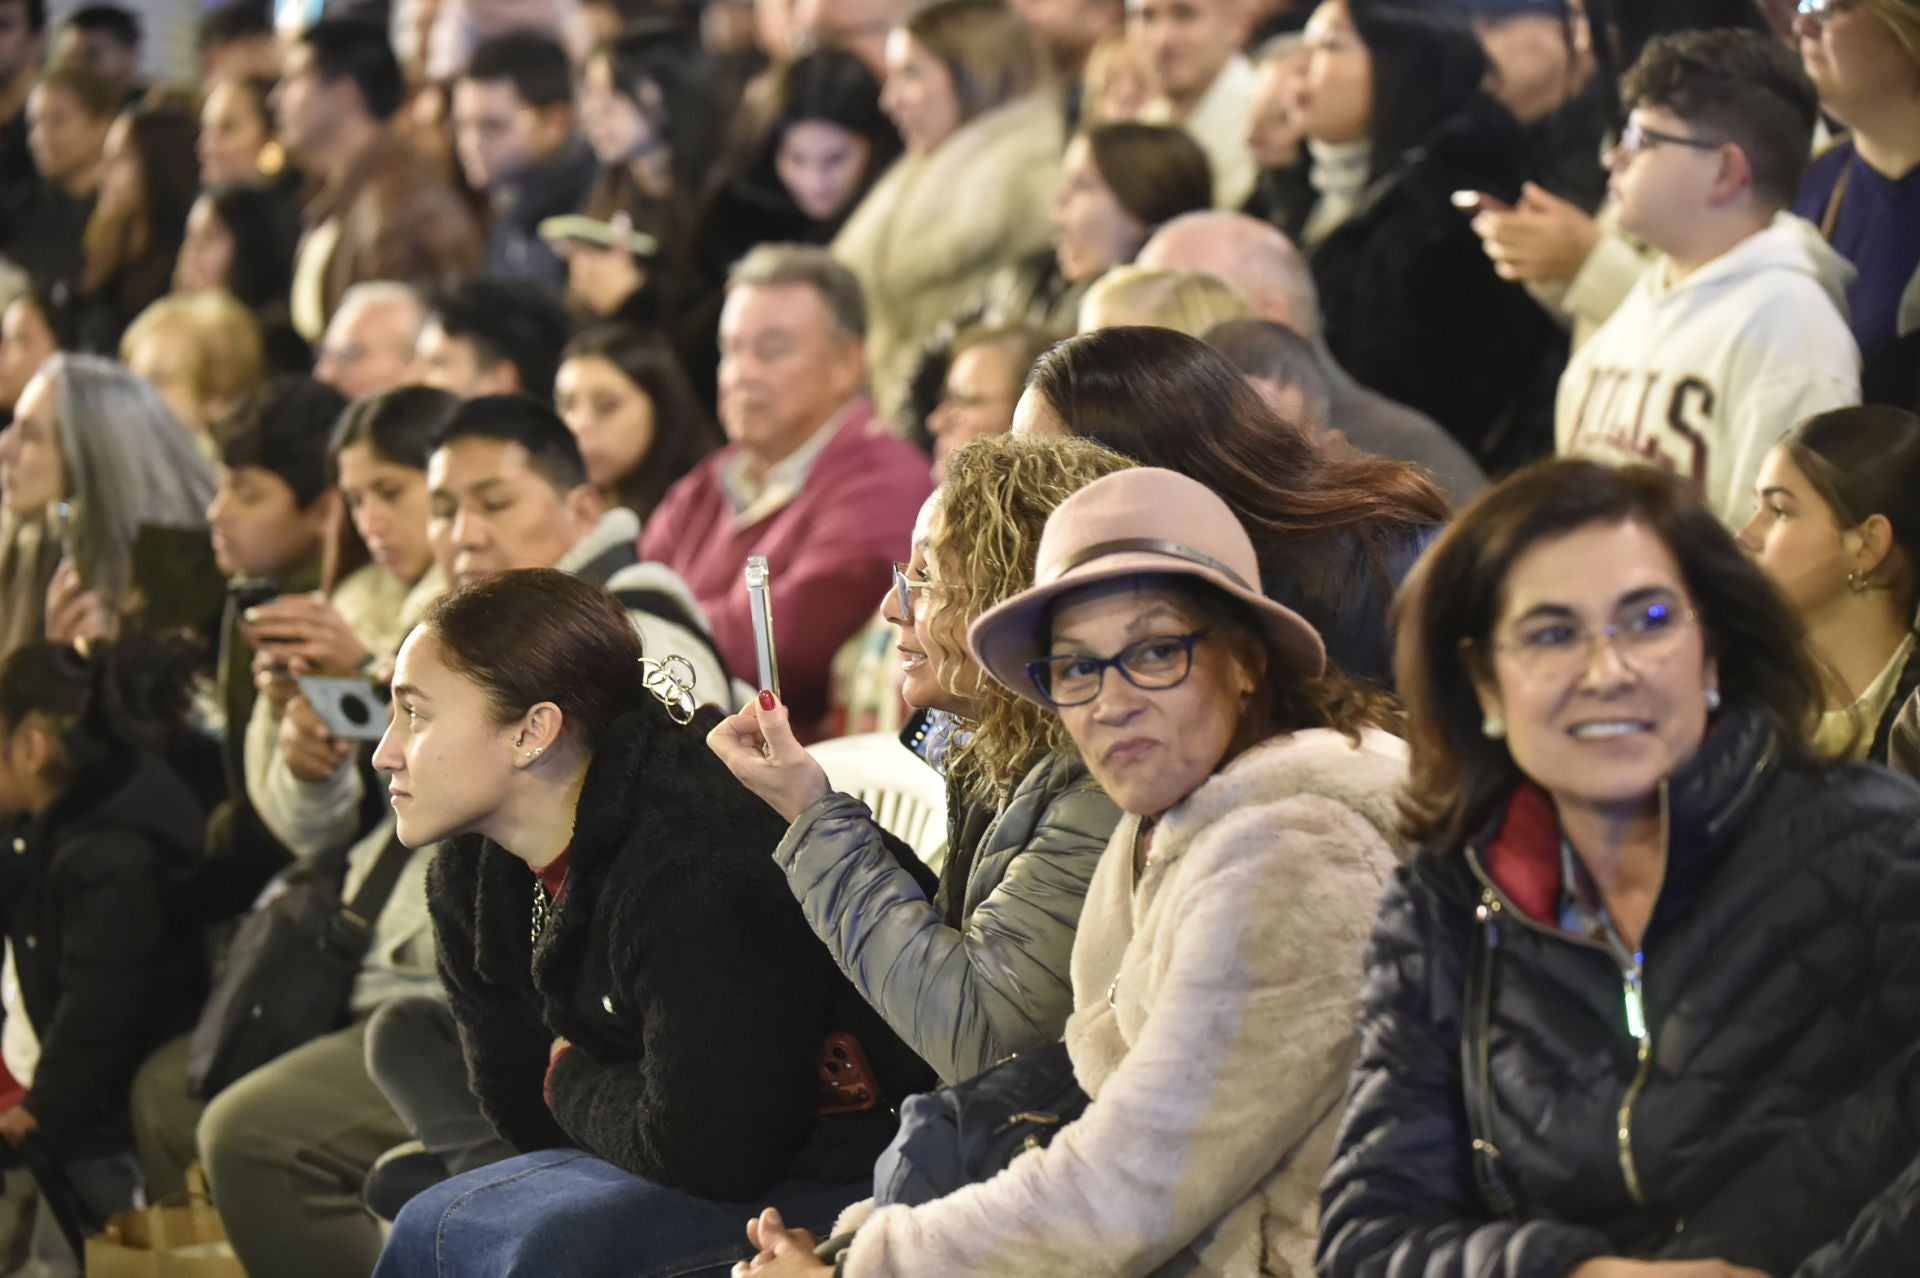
pixel 1738 331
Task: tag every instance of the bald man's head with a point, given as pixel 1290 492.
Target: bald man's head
pixel 1253 256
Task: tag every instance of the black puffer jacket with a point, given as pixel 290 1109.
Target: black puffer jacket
pixel 1779 1109
pixel 109 968
pixel 680 969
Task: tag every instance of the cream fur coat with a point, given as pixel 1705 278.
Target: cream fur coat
pixel 936 226
pixel 1213 1026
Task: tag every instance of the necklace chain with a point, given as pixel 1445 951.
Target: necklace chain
pixel 542 910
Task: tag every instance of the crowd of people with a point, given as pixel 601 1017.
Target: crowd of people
pixel 1394 525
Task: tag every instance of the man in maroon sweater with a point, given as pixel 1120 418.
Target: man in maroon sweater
pixel 809 478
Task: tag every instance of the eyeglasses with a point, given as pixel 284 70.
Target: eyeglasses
pixel 1642 635
pixel 904 586
pixel 1636 138
pixel 1153 664
pixel 1822 10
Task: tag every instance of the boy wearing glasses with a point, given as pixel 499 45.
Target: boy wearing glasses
pixel 1737 332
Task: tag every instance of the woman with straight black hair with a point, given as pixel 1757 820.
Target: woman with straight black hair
pixel 240 237
pixel 1335 530
pixel 813 141
pixel 148 178
pixel 640 427
pixel 1397 122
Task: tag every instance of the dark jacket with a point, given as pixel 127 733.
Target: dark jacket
pixel 1412 306
pixel 680 969
pixel 107 969
pixel 1780 1097
pixel 1344 592
pixel 550 188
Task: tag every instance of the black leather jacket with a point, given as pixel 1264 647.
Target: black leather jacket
pixel 1772 1107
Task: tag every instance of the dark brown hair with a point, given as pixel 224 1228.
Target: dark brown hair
pixel 1449 605
pixel 1742 87
pixel 1865 461
pixel 1169 400
pixel 1156 171
pixel 133 250
pixel 119 698
pixel 538 634
pixel 683 431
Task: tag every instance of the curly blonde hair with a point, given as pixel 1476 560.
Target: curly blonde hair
pixel 982 542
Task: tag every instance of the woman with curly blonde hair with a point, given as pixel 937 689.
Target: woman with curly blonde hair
pixel 974 968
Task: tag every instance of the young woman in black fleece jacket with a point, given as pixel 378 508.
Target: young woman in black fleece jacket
pixel 99 832
pixel 623 958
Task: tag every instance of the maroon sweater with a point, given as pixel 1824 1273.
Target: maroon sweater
pixel 830 551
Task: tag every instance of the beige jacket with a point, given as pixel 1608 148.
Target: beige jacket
pixel 937 225
pixel 1214 1029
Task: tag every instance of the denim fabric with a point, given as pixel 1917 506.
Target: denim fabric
pixel 566 1212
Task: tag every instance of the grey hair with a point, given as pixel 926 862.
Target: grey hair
pixel 385 292
pixel 772 265
pixel 129 464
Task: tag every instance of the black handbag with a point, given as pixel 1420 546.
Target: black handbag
pixel 289 975
pixel 970 1132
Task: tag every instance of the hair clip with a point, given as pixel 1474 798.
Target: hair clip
pixel 671 681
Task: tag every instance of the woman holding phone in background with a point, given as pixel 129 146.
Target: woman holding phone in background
pixel 977 969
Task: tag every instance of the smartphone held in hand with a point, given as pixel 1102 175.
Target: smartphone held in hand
pixel 760 600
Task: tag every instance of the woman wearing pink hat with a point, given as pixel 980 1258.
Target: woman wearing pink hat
pixel 1216 967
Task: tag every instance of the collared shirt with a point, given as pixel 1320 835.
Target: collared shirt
pixel 1849 732
pixel 754 497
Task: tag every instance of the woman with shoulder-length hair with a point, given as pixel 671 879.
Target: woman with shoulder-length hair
pixel 1649 995
pixel 978 970
pixel 627 400
pixel 1335 530
pixel 1214 973
pixel 1836 523
pixel 94 445
pixel 812 142
pixel 966 86
pixel 148 180
pixel 637 997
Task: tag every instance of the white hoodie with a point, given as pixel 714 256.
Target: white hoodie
pixel 1704 376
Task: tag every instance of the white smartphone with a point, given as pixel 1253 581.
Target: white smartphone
pixel 760 600
pixel 352 708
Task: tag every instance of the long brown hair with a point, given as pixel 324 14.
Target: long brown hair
pixel 1449 605
pixel 137 246
pixel 1169 400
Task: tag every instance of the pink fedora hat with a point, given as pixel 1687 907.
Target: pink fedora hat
pixel 1140 522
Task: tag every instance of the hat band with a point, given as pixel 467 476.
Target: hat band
pixel 1151 545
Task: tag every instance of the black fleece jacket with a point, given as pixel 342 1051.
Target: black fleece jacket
pixel 678 967
pixel 108 966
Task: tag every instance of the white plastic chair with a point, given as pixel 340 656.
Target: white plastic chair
pixel 908 798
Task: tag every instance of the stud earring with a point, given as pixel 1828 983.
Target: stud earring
pixel 1493 727
pixel 1713 700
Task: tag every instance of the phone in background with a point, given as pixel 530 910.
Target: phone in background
pixel 352 708
pixel 251 592
pixel 760 600
pixel 1474 203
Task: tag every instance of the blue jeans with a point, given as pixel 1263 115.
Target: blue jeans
pixel 564 1212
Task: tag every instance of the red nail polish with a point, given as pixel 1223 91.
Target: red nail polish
pixel 766 699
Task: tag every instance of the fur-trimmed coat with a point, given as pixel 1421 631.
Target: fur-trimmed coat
pixel 1213 1025
pixel 679 968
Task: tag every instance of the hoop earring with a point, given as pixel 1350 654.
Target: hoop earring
pixel 1858 584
